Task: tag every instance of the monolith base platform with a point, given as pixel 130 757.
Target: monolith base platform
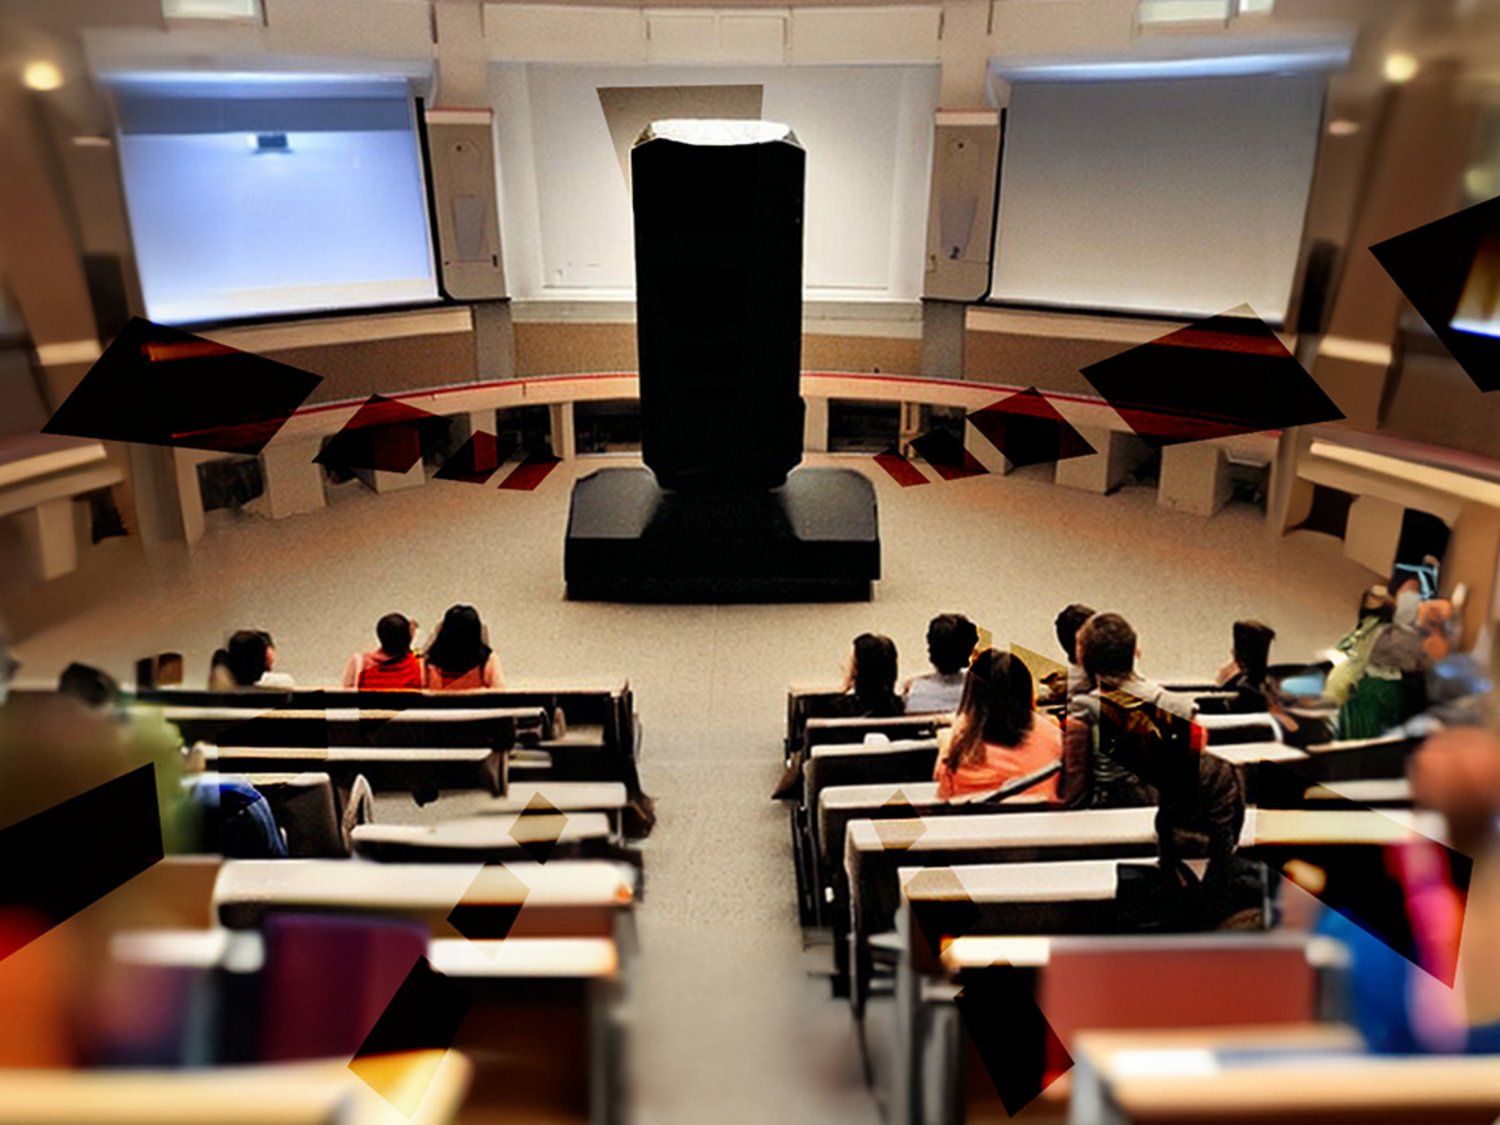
pixel 816 538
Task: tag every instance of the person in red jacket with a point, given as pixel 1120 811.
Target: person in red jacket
pixel 391 667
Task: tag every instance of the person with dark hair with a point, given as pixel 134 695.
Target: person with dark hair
pixel 951 638
pixel 1147 733
pixel 1392 685
pixel 1248 675
pixel 869 692
pixel 1090 777
pixel 391 667
pixel 1061 687
pixel 248 660
pixel 459 657
pixel 870 679
pixel 996 735
pixel 93 687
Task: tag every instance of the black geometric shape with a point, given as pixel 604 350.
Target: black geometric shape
pixel 538 828
pixel 1450 272
pixel 946 453
pixel 1217 377
pixel 1029 430
pixel 718 256
pixel 478 458
pixel 161 386
pixel 1366 883
pixel 384 435
pixel 52 865
pixel 423 1015
pixel 532 471
pixel 902 471
pixel 945 910
pixel 1011 1035
pixel 490 919
pixel 1328 513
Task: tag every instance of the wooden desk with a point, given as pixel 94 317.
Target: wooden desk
pixel 1301 1076
pixel 415 769
pixel 313 1093
pixel 560 898
pixel 1078 982
pixel 498 838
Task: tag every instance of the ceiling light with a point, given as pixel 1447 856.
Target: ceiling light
pixel 211 9
pixel 42 74
pixel 1400 67
pixel 1342 127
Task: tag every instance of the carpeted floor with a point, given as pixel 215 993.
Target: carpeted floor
pixel 726 1024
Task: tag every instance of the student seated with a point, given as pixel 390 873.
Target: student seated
pixel 869 681
pixel 1392 686
pixel 1248 675
pixel 248 660
pixel 1090 776
pixel 391 667
pixel 1148 734
pixel 951 638
pixel 996 736
pixel 459 657
pixel 92 687
pixel 1059 688
pixel 869 692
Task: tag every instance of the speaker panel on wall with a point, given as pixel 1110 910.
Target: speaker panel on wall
pixel 960 220
pixel 461 180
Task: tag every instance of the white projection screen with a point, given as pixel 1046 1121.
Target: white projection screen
pixel 1183 197
pixel 263 195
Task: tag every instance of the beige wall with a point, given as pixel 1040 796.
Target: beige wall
pixel 567 348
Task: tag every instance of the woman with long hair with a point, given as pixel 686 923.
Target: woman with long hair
pixel 997 736
pixel 870 678
pixel 459 657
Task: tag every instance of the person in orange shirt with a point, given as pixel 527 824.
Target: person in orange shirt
pixel 459 657
pixel 997 736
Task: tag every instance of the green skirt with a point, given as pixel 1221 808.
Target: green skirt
pixel 1374 707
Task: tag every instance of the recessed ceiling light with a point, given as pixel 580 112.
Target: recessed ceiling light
pixel 1400 67
pixel 42 74
pixel 1342 127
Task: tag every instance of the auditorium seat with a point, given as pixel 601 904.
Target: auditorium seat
pixel 497 838
pixel 309 1093
pixel 423 772
pixel 1084 983
pixel 307 811
pixel 563 898
pixel 1299 1075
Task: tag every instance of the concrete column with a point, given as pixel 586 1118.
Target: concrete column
pixel 414 477
pixel 563 444
pixel 1119 453
pixel 1194 478
pixel 189 494
pixel 1373 531
pixel 294 484
pixel 815 425
pixel 51 537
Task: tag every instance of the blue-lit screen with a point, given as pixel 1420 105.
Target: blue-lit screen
pixel 255 197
